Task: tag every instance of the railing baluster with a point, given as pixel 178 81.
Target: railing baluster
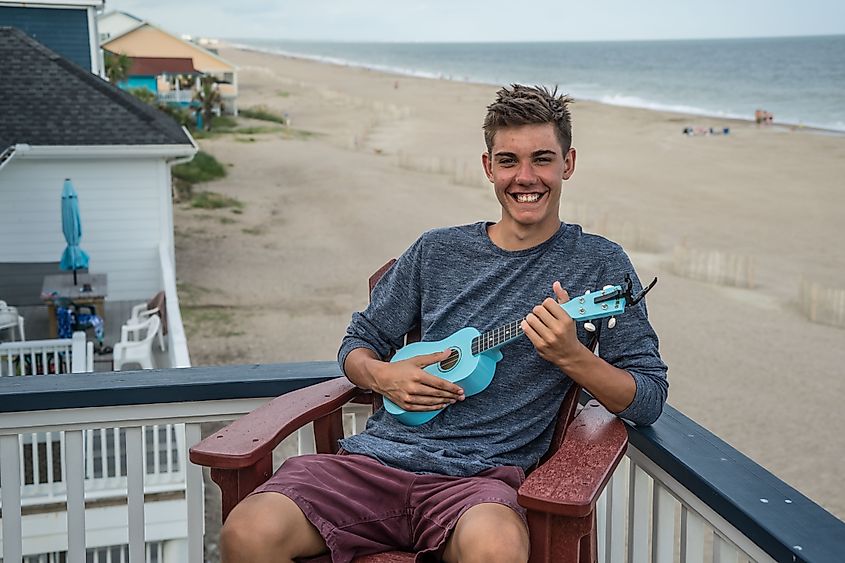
pixel 618 508
pixel 35 458
pixel 169 444
pixel 104 454
pixel 89 454
pixel 10 491
pixel 639 506
pixel 723 552
pixel 305 440
pixel 692 536
pixel 156 452
pixel 601 525
pixel 135 491
pixel 73 459
pixel 662 525
pixel 118 465
pixel 194 496
pixel 48 453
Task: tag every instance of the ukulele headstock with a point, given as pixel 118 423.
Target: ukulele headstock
pixel 606 302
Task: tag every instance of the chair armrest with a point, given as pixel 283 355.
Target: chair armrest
pixel 253 436
pixel 570 482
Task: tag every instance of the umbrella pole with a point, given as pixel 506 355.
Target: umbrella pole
pixel 74 276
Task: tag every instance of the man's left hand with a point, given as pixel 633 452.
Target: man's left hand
pixel 552 330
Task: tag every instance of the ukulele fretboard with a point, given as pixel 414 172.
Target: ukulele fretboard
pixel 497 337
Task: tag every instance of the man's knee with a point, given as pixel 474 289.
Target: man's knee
pixel 265 527
pixel 489 532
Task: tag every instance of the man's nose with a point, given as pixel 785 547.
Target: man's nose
pixel 525 174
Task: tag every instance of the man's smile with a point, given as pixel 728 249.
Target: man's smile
pixel 527 197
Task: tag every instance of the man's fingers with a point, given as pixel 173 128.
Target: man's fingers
pixel 561 294
pixel 426 360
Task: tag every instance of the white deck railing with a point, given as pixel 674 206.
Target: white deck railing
pixel 176 97
pixel 47 357
pixel 177 342
pixel 645 514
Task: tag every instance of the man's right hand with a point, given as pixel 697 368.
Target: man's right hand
pixel 405 382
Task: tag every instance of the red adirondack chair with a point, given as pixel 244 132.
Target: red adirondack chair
pixel 560 494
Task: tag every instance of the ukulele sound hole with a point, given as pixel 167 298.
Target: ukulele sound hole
pixel 451 361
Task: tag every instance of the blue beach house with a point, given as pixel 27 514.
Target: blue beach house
pixel 68 27
pixel 172 80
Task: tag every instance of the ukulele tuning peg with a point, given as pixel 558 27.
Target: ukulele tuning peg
pixel 590 327
pixel 611 323
pixel 587 292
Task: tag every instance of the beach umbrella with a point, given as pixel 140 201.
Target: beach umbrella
pixel 73 258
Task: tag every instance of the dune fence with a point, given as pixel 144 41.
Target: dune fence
pixel 632 236
pixel 461 172
pixel 714 266
pixel 823 305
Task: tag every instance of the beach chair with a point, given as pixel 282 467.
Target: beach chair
pixel 560 494
pixel 130 351
pixel 11 320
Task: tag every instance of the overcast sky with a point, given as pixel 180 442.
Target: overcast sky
pixel 490 20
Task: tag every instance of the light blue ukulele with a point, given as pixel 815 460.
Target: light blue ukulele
pixel 473 358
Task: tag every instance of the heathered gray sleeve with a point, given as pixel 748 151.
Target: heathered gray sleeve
pixel 633 346
pixel 393 310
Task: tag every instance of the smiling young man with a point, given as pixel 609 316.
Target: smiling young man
pixel 447 488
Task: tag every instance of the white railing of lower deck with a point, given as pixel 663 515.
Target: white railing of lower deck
pixel 177 342
pixel 45 357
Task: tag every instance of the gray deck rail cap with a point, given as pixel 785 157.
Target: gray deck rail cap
pixel 34 393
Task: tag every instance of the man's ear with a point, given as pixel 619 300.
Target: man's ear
pixel 488 165
pixel 569 163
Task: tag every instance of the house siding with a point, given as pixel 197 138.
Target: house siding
pixel 65 31
pixel 121 203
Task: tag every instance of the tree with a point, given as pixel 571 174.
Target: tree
pixel 117 67
pixel 209 99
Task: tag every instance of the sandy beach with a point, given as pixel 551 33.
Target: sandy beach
pixel 371 160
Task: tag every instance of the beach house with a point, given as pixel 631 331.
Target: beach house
pixel 68 27
pixel 118 153
pixel 147 41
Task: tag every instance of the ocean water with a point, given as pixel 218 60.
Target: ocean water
pixel 801 80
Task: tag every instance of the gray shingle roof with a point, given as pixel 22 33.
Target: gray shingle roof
pixel 48 100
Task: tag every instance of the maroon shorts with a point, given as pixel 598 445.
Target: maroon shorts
pixel 361 506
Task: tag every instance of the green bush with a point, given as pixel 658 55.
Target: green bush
pixel 203 168
pixel 263 114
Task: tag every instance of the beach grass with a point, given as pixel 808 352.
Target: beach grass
pixel 213 200
pixel 203 168
pixel 264 114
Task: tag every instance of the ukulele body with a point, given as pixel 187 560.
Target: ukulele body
pixel 472 372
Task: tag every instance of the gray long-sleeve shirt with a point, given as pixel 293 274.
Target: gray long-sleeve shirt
pixel 456 277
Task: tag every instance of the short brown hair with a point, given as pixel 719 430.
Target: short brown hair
pixel 529 105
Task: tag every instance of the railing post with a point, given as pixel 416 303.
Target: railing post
pixel 10 489
pixel 194 496
pixel 135 469
pixel 75 487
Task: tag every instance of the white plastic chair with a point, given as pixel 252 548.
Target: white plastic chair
pixel 135 323
pixel 10 319
pixel 137 351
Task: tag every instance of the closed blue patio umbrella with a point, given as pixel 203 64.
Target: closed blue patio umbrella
pixel 73 258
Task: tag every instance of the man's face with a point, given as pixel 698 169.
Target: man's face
pixel 527 166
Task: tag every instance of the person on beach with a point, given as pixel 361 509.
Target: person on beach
pixel 448 488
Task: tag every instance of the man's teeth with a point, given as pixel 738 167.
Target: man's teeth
pixel 527 198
